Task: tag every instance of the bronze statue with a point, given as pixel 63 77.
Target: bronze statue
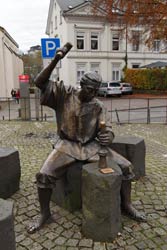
pixel 78 116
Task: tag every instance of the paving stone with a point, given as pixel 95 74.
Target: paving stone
pixel 99 246
pixel 59 248
pixel 26 242
pixel 72 248
pixel 67 234
pixel 60 241
pixel 20 237
pixel 160 231
pixel 164 247
pixel 86 243
pixel 48 244
pixel 72 242
pixel 77 235
pixel 130 248
pixel 141 245
pixel 36 246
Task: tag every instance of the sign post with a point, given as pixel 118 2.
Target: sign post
pixel 25 97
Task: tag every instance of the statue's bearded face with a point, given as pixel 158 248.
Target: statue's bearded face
pixel 88 92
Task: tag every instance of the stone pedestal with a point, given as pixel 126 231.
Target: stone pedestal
pixel 101 202
pixel 7 236
pixel 9 172
pixel 132 148
pixel 67 192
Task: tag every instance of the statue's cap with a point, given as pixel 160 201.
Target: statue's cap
pixel 91 78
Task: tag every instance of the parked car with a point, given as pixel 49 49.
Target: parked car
pixel 110 88
pixel 126 88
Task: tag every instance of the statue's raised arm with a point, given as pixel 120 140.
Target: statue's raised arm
pixel 44 75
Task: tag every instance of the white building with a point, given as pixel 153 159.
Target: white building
pixel 96 44
pixel 11 65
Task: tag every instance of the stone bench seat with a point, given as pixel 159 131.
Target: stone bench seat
pixel 133 149
pixel 10 172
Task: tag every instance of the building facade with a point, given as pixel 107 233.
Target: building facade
pixel 97 45
pixel 11 64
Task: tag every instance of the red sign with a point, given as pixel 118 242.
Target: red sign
pixel 24 78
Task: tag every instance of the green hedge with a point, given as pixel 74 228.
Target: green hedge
pixel 149 79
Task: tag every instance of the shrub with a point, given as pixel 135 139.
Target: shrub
pixel 148 79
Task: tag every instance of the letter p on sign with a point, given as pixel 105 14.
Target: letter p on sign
pixel 49 46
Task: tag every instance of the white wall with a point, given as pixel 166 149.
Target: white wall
pixel 11 66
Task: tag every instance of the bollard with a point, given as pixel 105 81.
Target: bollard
pixel 7 235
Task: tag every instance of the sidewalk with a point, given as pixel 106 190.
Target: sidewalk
pixel 33 141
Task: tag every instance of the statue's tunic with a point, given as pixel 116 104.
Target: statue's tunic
pixel 78 124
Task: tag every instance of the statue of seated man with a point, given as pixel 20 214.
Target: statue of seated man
pixel 78 116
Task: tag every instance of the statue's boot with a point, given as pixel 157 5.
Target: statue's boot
pixel 126 204
pixel 44 195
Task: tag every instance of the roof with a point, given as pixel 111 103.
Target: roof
pixel 64 4
pixel 9 36
pixel 157 64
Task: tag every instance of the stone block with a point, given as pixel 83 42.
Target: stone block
pixel 7 235
pixel 101 202
pixel 67 193
pixel 132 148
pixel 10 172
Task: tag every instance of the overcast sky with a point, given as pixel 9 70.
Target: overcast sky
pixel 24 20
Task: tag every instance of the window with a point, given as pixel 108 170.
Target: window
pixel 156 45
pixel 115 41
pixel 94 41
pixel 80 40
pixel 116 72
pixel 51 27
pixel 55 22
pixel 135 40
pixel 95 67
pixel 104 85
pixel 61 17
pixel 135 66
pixel 81 69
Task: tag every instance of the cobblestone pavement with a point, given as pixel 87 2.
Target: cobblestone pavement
pixel 32 139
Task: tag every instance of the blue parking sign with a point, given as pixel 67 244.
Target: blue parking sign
pixel 49 46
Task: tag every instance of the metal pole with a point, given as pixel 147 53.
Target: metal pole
pixel 166 111
pixel 9 107
pixel 41 113
pixel 129 112
pixel 111 110
pixel 148 111
pixel 116 111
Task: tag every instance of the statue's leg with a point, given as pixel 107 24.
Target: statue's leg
pixel 126 205
pixel 53 169
pixel 44 195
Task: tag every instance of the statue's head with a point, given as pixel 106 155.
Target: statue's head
pixel 91 78
pixel 90 83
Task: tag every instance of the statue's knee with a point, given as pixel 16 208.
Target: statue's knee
pixel 45 181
